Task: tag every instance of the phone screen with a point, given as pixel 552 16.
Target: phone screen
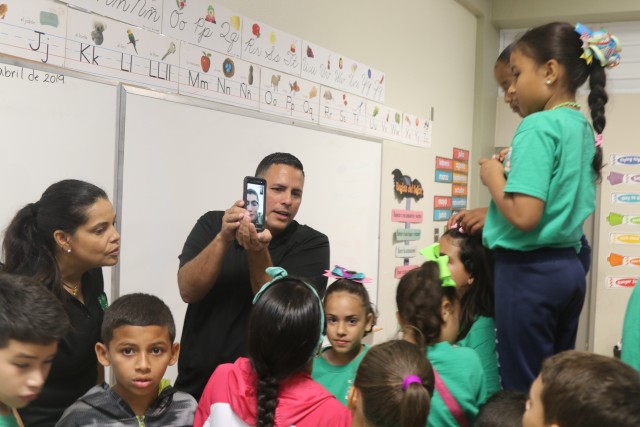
pixel 254 193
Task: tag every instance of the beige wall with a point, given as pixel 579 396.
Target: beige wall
pixel 518 13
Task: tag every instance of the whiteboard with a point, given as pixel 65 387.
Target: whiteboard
pixel 184 157
pixel 53 128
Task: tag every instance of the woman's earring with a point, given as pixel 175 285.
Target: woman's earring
pixel 68 250
pixel 548 82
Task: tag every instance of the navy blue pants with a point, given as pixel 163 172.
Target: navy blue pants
pixel 539 296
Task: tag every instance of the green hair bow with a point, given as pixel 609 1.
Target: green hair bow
pixel 432 253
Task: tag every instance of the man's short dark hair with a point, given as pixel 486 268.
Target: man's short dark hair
pixel 29 312
pixel 137 310
pixel 278 159
pixel 254 192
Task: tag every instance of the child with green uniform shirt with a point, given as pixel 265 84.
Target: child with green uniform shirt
pixel 350 317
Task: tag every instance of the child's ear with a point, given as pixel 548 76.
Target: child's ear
pixel 446 309
pixel 369 326
pixel 353 398
pixel 175 351
pixel 103 354
pixel 552 71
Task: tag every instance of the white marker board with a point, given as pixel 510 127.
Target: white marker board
pixel 184 157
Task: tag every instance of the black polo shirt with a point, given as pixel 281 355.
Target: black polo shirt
pixel 214 328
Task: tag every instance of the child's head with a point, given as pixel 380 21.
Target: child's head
pixel 285 329
pixel 427 311
pixel 504 77
pixel 580 389
pixel 137 342
pixel 32 321
pixel 503 409
pixel 471 269
pixel 393 386
pixel 350 315
pixel 552 61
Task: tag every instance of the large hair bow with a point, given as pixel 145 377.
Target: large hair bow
pixel 602 45
pixel 432 253
pixel 342 273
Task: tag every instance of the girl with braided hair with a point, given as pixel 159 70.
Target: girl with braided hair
pixel 273 386
pixel 542 192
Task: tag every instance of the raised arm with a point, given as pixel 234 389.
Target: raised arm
pixel 204 252
pixel 521 210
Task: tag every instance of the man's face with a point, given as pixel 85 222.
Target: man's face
pixel 252 206
pixel 284 195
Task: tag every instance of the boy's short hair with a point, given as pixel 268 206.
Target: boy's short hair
pixel 504 409
pixel 29 312
pixel 589 390
pixel 137 309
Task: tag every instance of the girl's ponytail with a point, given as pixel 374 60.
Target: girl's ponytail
pixel 267 397
pixel 597 99
pixel 415 405
pixel 26 254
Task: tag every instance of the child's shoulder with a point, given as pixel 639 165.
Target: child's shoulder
pixel 446 354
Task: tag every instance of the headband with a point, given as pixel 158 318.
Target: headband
pixel 342 273
pixel 432 253
pixel 410 379
pixel 602 45
pixel 278 273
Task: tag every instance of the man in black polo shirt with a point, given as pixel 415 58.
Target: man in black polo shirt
pixel 223 264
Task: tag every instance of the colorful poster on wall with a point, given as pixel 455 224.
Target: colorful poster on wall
pixel 342 110
pixel 621 208
pixel 212 75
pixel 109 48
pixel 205 24
pixel 406 189
pixel 145 14
pixel 289 96
pixel 265 45
pixel 34 30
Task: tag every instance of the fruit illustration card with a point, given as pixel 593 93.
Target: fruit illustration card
pixel 223 78
pixel 342 110
pixel 270 47
pixel 34 30
pixel 289 96
pixel 384 121
pixel 145 14
pixel 109 48
pixel 415 130
pixel 205 24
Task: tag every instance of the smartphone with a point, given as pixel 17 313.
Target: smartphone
pixel 254 191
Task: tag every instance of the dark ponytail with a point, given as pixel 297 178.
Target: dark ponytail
pixel 267 397
pixel 597 99
pixel 29 247
pixel 285 325
pixel 387 398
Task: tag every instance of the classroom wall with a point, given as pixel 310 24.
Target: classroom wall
pixel 426 64
pixel 515 14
